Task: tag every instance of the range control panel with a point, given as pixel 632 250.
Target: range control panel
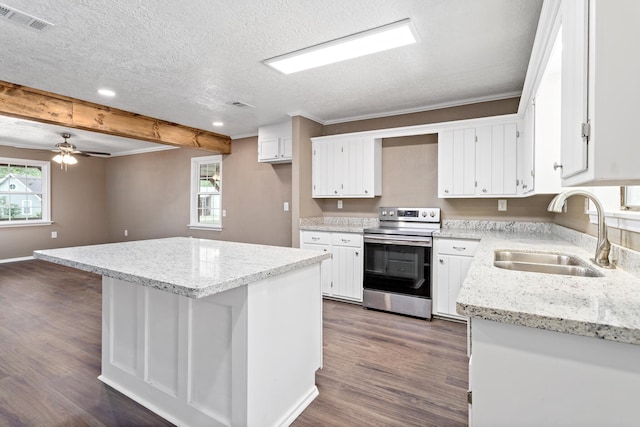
pixel 409 214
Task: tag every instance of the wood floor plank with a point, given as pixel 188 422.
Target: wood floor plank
pixel 380 369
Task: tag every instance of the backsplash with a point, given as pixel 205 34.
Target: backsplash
pixel 355 222
pixel 512 226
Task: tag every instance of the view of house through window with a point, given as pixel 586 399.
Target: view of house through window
pixel 206 191
pixel 23 190
pixel 630 197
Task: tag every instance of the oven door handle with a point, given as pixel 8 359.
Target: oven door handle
pixel 387 241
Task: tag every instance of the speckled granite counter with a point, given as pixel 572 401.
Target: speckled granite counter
pixel 185 266
pixel 338 224
pixel 604 307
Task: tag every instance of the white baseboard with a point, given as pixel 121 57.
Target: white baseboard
pixel 24 258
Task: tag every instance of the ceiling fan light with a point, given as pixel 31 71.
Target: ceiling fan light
pixel 69 159
pixel 57 158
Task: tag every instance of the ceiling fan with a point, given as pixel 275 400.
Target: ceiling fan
pixel 66 152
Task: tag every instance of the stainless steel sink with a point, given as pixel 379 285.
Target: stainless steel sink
pixel 542 262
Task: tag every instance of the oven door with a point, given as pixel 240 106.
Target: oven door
pixel 398 265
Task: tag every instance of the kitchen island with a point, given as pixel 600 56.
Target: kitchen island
pixel 549 349
pixel 206 332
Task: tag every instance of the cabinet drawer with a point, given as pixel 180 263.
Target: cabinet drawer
pixel 347 239
pixel 457 247
pixel 317 237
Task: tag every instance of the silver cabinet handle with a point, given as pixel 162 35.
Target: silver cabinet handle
pixel 557 165
pixel 446 191
pixel 366 192
pixel 357 253
pixel 441 261
pixel 335 191
pixel 315 238
pixel 484 190
pixel 459 248
pixel 345 240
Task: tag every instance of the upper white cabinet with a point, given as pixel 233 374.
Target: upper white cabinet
pixel 478 161
pixel 347 167
pixel 600 92
pixel 274 143
pixel 457 163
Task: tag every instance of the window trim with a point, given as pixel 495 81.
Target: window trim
pixel 46 192
pixel 196 162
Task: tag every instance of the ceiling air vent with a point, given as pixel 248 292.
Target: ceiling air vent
pixel 240 104
pixel 23 19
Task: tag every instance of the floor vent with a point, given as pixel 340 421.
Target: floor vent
pixel 22 18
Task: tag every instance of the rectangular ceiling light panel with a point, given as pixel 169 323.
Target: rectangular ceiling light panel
pixel 387 37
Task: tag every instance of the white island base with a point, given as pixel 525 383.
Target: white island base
pixel 242 357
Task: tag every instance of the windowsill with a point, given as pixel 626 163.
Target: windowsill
pixel 205 227
pixel 624 220
pixel 25 224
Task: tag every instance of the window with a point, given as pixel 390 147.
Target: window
pixel 630 197
pixel 206 192
pixel 24 192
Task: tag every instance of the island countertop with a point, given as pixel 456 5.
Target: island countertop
pixel 605 307
pixel 190 267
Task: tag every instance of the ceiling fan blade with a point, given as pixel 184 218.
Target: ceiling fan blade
pixel 91 153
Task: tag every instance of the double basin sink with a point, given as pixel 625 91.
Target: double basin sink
pixel 542 262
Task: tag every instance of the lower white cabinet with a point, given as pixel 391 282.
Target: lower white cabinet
pixel 451 261
pixel 341 275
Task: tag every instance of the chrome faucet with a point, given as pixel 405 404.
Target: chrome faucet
pixel 603 246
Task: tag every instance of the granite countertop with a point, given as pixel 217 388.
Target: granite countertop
pixel 605 307
pixel 337 224
pixel 194 268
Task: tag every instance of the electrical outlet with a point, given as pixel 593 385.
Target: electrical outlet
pixel 286 206
pixel 224 212
pixel 54 234
pixel 339 204
pixel 502 205
pixel 126 233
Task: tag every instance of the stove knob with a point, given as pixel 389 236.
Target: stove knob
pixel 384 213
pixel 432 214
pixel 391 213
pixel 424 213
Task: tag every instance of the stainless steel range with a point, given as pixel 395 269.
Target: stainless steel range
pixel 397 261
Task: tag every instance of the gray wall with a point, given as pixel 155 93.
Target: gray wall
pixel 78 207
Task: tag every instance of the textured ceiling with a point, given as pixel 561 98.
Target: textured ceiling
pixel 184 61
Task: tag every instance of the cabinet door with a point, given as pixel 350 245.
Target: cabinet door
pixel 325 265
pixel 347 270
pixel 321 168
pixel 450 273
pixel 335 173
pixel 526 159
pixel 497 159
pixel 286 148
pixel 457 162
pixel 574 86
pixel 269 150
pixel 358 159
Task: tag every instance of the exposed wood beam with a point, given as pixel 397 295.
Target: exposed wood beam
pixel 46 107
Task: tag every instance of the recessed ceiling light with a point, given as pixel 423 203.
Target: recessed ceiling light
pixel 378 39
pixel 106 92
pixel 218 124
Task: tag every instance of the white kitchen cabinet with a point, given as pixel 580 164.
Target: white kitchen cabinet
pixel 275 143
pixel 477 162
pixel 342 274
pixel 452 259
pixel 457 162
pixel 319 241
pixel 529 377
pixel 496 157
pixel 347 167
pixel 600 92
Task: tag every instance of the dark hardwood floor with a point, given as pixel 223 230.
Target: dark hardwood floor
pixel 379 369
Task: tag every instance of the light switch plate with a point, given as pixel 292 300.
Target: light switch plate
pixel 502 205
pixel 286 206
pixel 339 204
pixel 54 234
